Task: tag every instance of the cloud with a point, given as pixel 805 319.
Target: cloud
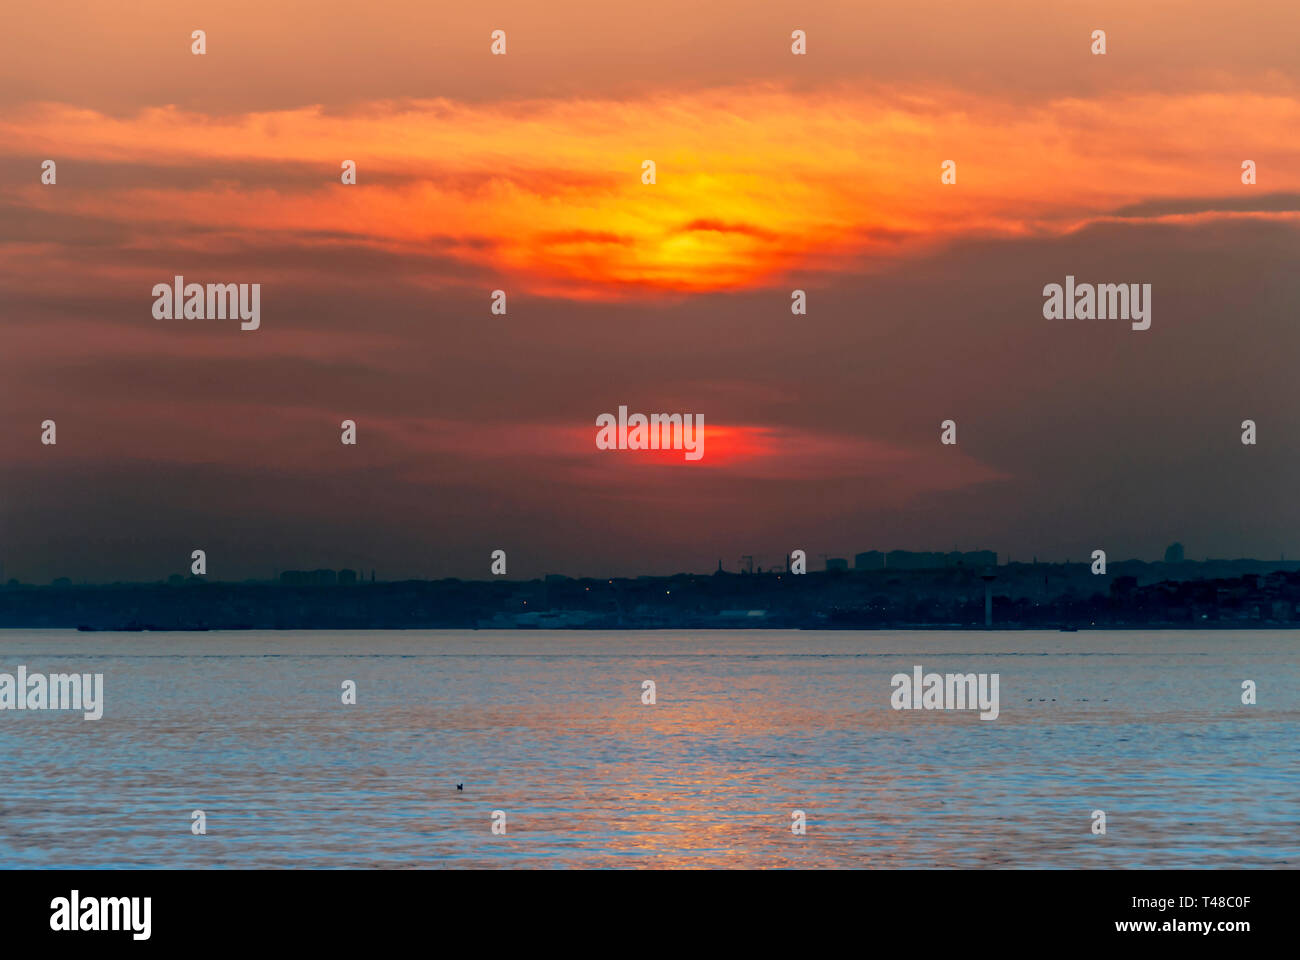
pixel 741 201
pixel 1184 206
pixel 476 430
pixel 270 57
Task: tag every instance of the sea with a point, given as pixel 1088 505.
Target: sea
pixel 761 749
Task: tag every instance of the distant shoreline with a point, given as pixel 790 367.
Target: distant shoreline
pixel 1069 597
pixel 931 628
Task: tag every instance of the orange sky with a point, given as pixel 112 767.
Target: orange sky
pixel 755 186
pixel 523 173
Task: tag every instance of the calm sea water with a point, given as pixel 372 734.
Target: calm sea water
pixel 549 727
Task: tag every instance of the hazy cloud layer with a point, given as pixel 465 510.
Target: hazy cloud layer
pixel 523 173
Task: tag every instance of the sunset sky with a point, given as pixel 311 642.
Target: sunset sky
pixel 522 172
